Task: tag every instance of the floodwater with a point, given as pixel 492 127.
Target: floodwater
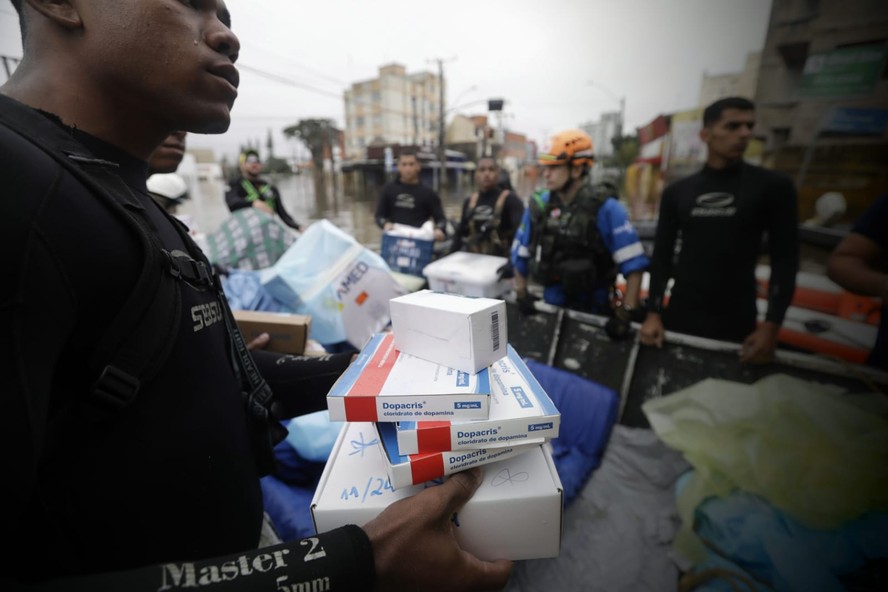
pixel 351 210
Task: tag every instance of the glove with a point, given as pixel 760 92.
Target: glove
pixel 526 304
pixel 617 328
pixel 631 315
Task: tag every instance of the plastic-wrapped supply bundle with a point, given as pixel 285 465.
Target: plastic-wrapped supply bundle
pixel 344 286
pixel 249 239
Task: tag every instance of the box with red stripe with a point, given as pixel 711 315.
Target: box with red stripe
pixel 384 384
pixel 520 412
pixel 405 470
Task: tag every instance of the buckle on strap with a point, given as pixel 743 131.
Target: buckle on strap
pixel 115 388
pixel 189 270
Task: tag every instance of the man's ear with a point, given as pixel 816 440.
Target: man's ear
pixel 62 12
pixel 704 134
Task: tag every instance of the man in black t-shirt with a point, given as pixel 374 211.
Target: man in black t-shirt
pixel 157 490
pixel 407 201
pixel 722 215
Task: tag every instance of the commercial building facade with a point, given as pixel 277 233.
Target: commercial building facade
pixel 822 96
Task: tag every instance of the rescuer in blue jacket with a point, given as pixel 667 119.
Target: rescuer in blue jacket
pixel 575 237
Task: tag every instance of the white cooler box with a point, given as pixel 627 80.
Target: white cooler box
pixel 469 274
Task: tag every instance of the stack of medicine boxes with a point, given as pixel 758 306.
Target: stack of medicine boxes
pixel 445 389
pixel 444 392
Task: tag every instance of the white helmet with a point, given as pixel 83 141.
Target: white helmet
pixel 830 207
pixel 168 185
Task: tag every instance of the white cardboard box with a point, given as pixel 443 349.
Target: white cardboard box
pixel 469 274
pixel 465 333
pixel 383 384
pixel 405 470
pixel 520 411
pixel 515 514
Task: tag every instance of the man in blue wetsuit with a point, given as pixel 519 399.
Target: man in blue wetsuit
pixel 127 471
pixel 575 237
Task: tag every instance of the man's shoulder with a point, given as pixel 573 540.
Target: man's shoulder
pixel 25 161
pixel 614 205
pixel 687 181
pixel 428 190
pixel 766 175
pixel 18 150
pixel 20 124
pixel 418 190
pixel 513 197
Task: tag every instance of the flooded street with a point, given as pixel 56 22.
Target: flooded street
pixel 351 211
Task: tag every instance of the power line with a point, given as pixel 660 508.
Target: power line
pixel 301 85
pixel 287 81
pixel 298 64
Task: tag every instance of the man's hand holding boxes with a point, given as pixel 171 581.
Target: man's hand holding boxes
pixel 444 392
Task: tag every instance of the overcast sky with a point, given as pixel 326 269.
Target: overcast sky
pixel 557 63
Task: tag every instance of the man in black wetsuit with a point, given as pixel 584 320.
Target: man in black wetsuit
pixel 252 191
pixel 721 215
pixel 159 491
pixel 490 216
pixel 407 201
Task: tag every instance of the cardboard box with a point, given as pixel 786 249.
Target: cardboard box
pixel 515 514
pixel 469 274
pixel 405 470
pixel 520 411
pixel 460 332
pixel 383 384
pixel 288 332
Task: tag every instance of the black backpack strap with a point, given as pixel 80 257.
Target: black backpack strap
pixel 138 340
pixel 142 334
pixel 265 430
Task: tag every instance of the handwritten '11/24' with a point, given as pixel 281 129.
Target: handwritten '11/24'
pixel 371 489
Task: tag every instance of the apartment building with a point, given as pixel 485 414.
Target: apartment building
pixel 731 84
pixel 393 108
pixel 603 131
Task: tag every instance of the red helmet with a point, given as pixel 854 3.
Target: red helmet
pixel 571 146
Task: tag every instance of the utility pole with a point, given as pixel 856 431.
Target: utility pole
pixel 442 112
pixel 442 150
pixel 415 122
